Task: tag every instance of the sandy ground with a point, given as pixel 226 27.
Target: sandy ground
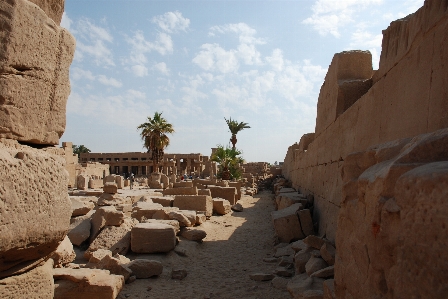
pixel 219 267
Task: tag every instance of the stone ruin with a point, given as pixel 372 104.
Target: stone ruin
pixel 377 164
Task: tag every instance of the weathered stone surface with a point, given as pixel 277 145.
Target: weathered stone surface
pixel 284 272
pixel 35 217
pixel 301 258
pixel 221 206
pixel 37 283
pixel 80 207
pixel 315 264
pixel 228 193
pixel 284 251
pixel 79 229
pixel 152 237
pixel 261 276
pixel 299 245
pixel 280 283
pixel 145 268
pixel 165 201
pixel 86 283
pixel 302 286
pixel 329 292
pixel 286 261
pixel 107 199
pixel 183 220
pixel 328 253
pixel 98 255
pixel 314 241
pixel 181 191
pixel 190 214
pixel 114 238
pixel 324 273
pixel 237 207
pixel 202 203
pixel 385 247
pixel 52 8
pixel 145 209
pixel 110 187
pixel 193 234
pixel 64 254
pixel 174 223
pixel 200 218
pixel 115 266
pixel 82 182
pixel 35 64
pixel 287 225
pixel 105 216
pixel 284 200
pixel 306 222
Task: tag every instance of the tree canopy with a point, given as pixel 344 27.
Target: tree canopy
pixel 235 127
pixel 78 149
pixel 229 160
pixel 154 135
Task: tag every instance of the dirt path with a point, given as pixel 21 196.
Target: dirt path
pixel 220 266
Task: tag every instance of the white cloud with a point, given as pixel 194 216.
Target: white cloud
pixel 161 67
pixel 330 15
pixel 66 22
pixel 276 60
pixel 246 34
pixel 109 81
pixel 172 22
pixel 213 57
pixel 139 70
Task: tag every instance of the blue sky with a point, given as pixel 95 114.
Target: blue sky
pixel 260 62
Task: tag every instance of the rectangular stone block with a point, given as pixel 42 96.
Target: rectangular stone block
pixel 152 237
pixel 34 67
pixel 286 224
pixel 228 193
pixel 181 191
pixel 201 203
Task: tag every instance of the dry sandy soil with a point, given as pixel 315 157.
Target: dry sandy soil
pixel 219 267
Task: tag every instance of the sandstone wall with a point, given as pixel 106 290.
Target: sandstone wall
pixel 408 97
pixel 35 209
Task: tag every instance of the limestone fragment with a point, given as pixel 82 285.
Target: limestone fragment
pixel 152 237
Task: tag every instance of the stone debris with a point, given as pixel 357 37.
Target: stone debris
pixel 324 273
pixel 79 230
pixel 196 203
pixel 221 206
pixel 284 272
pixel 145 268
pixel 152 237
pixel 287 225
pixel 280 282
pixel 237 207
pixel 315 264
pixel 64 254
pixel 114 238
pixel 178 274
pixel 110 187
pixel 80 207
pixel 328 252
pixel 193 234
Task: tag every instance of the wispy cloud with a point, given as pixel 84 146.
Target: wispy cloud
pixel 172 21
pixel 80 74
pixel 330 15
pixel 161 67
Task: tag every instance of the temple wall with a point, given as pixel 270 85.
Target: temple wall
pixel 409 96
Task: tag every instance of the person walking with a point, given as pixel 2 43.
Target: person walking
pixel 131 180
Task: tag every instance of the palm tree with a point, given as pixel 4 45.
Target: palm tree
pixel 78 149
pixel 155 140
pixel 234 128
pixel 228 161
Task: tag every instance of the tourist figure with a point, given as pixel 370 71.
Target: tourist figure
pixel 131 180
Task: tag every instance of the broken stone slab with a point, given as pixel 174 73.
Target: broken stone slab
pixel 183 220
pixel 190 214
pixel 286 224
pixel 280 283
pixel 145 209
pixel 284 200
pixel 114 238
pixel 163 214
pixel 165 201
pixel 113 265
pixel 174 223
pixel 328 253
pixel 105 216
pixel 107 199
pixel 80 207
pixel 237 207
pixel 86 283
pixel 194 202
pixel 301 258
pixel 193 234
pixel 306 222
pixel 142 268
pixel 286 190
pixel 284 251
pixel 286 261
pixel 181 191
pixel 303 286
pixel 221 206
pixel 98 255
pixel 110 187
pixel 35 218
pixel 284 272
pixel 270 259
pixel 64 254
pixel 314 241
pixel 152 238
pixel 324 273
pixel 36 283
pixel 179 274
pixel 79 230
pixel 299 245
pixel 315 264
pixel 261 276
pixel 200 218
